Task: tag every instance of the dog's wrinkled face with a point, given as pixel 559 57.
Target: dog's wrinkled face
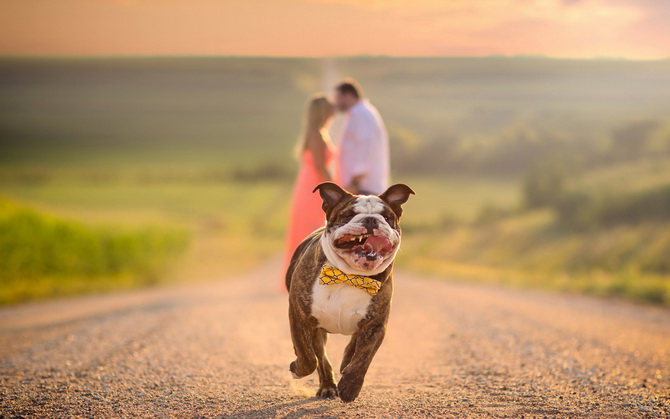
pixel 362 233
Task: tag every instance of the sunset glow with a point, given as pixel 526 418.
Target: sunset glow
pixel 561 28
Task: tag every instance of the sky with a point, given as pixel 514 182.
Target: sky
pixel 636 29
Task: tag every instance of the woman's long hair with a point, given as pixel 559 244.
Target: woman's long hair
pixel 317 112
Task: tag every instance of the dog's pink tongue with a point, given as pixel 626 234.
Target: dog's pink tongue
pixel 379 245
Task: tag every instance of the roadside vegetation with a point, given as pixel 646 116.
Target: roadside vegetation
pixel 563 235
pixel 43 256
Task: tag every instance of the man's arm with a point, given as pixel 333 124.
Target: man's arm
pixel 355 185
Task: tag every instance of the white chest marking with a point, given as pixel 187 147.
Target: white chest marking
pixel 339 307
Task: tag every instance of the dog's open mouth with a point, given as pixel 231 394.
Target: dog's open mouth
pixel 366 246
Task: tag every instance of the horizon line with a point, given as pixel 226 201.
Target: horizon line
pixel 255 56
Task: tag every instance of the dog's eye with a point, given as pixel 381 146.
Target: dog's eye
pixel 349 216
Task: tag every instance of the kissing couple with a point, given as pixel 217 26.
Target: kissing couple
pixel 358 161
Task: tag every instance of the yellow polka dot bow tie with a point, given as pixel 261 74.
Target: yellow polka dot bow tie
pixel 331 276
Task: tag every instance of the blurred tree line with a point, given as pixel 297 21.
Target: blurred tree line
pixel 521 148
pixel 549 167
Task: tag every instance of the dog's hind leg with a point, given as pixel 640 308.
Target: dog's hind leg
pixel 327 386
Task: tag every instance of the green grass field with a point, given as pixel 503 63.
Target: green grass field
pixel 202 146
pixel 43 256
pixel 621 257
pixel 228 225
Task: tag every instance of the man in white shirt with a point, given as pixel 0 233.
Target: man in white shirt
pixel 363 160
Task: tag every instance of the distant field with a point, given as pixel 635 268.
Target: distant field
pixel 229 224
pixel 444 201
pixel 204 145
pixel 232 224
pixel 433 96
pixel 629 176
pixel 222 112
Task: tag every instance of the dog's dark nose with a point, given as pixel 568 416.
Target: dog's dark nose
pixel 370 222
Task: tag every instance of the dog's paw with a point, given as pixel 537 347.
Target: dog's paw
pixel 349 388
pixel 327 393
pixel 292 368
pixel 300 370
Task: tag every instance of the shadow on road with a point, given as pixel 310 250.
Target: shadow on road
pixel 312 407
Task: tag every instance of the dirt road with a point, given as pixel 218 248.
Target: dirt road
pixel 223 349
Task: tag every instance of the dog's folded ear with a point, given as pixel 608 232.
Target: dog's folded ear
pixel 396 195
pixel 332 195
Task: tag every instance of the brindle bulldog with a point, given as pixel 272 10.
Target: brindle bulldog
pixel 340 281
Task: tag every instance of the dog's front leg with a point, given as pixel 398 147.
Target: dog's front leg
pixel 302 334
pixel 368 340
pixel 348 353
pixel 327 386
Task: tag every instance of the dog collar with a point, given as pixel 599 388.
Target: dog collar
pixel 330 275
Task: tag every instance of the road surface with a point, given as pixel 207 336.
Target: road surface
pixel 222 349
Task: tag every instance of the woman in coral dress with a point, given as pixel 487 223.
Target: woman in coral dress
pixel 315 152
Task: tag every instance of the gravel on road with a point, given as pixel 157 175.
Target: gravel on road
pixel 222 349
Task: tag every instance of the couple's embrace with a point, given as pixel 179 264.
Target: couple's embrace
pixel 359 162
